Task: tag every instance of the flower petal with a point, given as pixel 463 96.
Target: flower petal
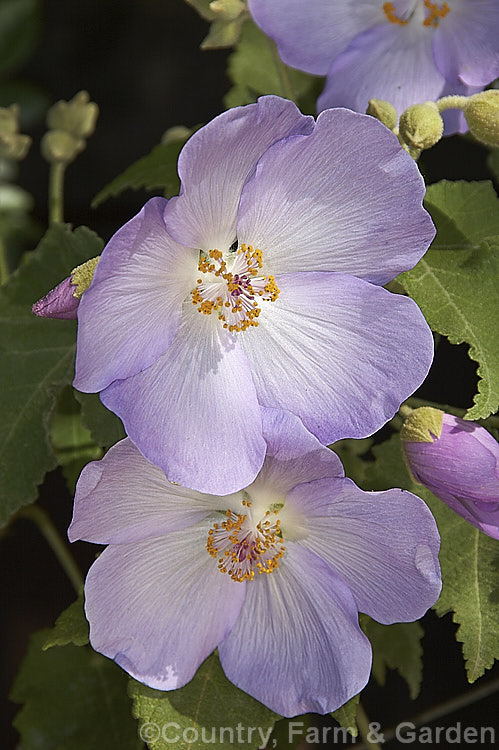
pixel 297 645
pixel 383 544
pixel 130 313
pixel 294 455
pixel 215 163
pixel 123 498
pixel 310 36
pixel 386 62
pixel 321 203
pixel 465 44
pixel 340 353
pixel 194 413
pixel 159 607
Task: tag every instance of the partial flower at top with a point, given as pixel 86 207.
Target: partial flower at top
pixel 260 286
pixel 405 51
pixel 274 575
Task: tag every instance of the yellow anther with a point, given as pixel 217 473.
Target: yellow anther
pixel 389 10
pixel 436 13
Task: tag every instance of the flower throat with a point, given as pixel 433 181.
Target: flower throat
pixel 232 286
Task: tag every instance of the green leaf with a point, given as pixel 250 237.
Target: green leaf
pixel 255 69
pixel 36 362
pixel 397 647
pixel 346 715
pixel 71 627
pixel 71 441
pixel 74 699
pixel 155 171
pixel 209 703
pixel 105 427
pixel 455 284
pixel 468 558
pixel 19 27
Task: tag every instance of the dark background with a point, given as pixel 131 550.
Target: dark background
pixel 140 61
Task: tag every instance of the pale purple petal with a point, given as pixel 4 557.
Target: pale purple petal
pixel 60 302
pixel 215 163
pixel 159 607
pixel 194 413
pixel 340 353
pixel 384 545
pixel 130 313
pixel 386 62
pixel 465 44
pixel 294 455
pixel 321 203
pixel 297 645
pixel 123 498
pixel 310 36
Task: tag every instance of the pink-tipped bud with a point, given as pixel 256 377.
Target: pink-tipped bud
pixel 62 301
pixel 458 461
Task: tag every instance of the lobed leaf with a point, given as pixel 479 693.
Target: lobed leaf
pixel 193 712
pixel 346 715
pixel 70 627
pixel 105 427
pixel 397 647
pixel 74 699
pixel 455 284
pixel 36 362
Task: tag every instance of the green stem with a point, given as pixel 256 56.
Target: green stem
pixel 4 266
pixel 57 544
pixel 365 729
pixel 452 102
pixel 56 192
pixel 282 72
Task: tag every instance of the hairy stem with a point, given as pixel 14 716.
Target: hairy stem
pixel 4 266
pixel 56 542
pixel 365 730
pixel 56 192
pixel 282 72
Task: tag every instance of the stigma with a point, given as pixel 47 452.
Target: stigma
pixel 244 547
pixel 233 286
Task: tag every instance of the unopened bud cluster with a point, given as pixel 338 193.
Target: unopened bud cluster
pixel 226 17
pixel 70 125
pixel 13 145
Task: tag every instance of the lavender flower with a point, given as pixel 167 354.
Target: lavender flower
pixel 260 285
pixel 458 461
pixel 405 51
pixel 273 575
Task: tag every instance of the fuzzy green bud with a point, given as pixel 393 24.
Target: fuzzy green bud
pixel 384 112
pixel 76 117
pixel 421 125
pixel 423 425
pixel 60 147
pixel 13 145
pixel 482 115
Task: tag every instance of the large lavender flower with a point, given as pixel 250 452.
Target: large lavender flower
pixel 260 285
pixel 405 51
pixel 273 575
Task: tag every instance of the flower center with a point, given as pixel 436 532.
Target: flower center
pixel 231 286
pixel 434 11
pixel 242 546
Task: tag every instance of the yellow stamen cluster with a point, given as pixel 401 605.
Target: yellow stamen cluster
pixel 235 300
pixel 241 549
pixel 389 10
pixel 437 11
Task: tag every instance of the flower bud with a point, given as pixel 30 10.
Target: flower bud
pixel 76 117
pixel 62 301
pixel 57 146
pixel 13 145
pixel 384 112
pixel 421 125
pixel 482 115
pixel 458 461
